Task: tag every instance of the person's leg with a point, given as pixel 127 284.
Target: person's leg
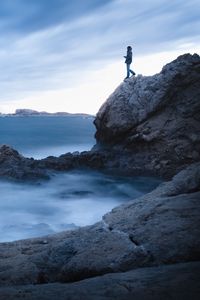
pixel 133 73
pixel 128 70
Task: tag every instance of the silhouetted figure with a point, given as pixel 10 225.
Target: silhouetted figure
pixel 128 61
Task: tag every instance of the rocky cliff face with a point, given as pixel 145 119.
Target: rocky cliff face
pixel 148 248
pixel 149 125
pixel 155 119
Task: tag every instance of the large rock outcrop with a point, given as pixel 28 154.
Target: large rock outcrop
pixel 149 125
pixel 148 248
pixel 155 119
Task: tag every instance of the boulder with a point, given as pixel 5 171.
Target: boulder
pixel 155 118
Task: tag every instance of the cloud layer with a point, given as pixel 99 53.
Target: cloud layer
pixel 51 44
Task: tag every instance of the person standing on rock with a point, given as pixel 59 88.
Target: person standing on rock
pixel 128 62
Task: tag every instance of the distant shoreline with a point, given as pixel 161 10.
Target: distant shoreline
pixel 34 113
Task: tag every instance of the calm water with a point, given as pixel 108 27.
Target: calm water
pixel 40 137
pixel 69 199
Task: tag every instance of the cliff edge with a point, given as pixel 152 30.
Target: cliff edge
pixel 150 125
pixel 155 119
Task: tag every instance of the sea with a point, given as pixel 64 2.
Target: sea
pixel 69 199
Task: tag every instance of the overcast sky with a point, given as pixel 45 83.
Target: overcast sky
pixel 60 55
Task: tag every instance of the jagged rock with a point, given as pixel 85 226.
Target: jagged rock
pixel 136 99
pixel 15 166
pixel 155 117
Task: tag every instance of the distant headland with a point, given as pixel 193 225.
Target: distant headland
pixel 30 113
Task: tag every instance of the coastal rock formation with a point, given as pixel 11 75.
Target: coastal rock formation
pixel 162 227
pixel 149 125
pixel 14 166
pixel 176 281
pixel 155 120
pixel 148 248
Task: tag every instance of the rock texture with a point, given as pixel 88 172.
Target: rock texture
pixel 148 248
pixel 155 120
pixel 179 281
pixel 162 227
pixel 15 166
pixel 149 125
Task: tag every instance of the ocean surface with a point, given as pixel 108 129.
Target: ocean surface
pixel 68 200
pixel 40 137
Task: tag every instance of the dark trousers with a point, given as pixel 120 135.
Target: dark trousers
pixel 129 70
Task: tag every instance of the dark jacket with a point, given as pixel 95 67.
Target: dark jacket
pixel 128 57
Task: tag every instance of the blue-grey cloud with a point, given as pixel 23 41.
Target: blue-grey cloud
pixel 25 16
pixel 49 43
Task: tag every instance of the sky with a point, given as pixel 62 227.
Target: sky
pixel 60 55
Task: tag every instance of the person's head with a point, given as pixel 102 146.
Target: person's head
pixel 129 48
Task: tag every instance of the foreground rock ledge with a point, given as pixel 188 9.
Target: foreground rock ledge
pixel 178 281
pixel 162 227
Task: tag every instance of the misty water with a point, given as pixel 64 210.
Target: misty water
pixel 68 200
